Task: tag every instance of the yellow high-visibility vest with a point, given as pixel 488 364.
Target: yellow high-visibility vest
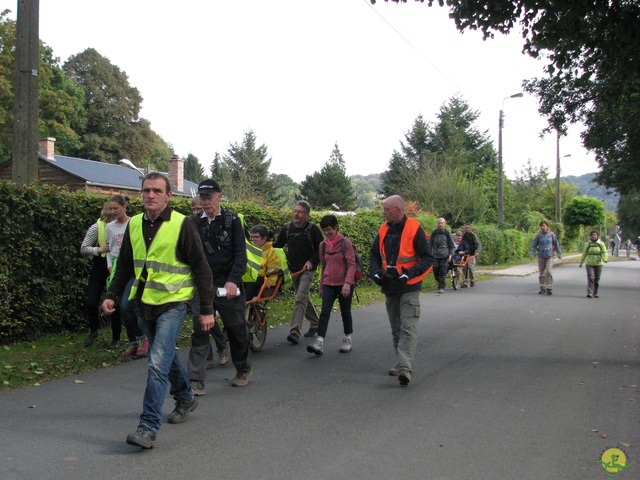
pixel 168 280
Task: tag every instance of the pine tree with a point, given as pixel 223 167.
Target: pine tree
pixel 247 171
pixel 330 187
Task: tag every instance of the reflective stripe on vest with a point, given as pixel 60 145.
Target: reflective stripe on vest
pixel 407 256
pixel 254 257
pixel 168 280
pixel 102 234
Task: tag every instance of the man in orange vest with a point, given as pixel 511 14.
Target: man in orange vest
pixel 399 259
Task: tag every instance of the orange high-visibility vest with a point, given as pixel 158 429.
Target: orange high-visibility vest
pixel 407 256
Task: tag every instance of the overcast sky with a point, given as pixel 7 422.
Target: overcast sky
pixel 305 74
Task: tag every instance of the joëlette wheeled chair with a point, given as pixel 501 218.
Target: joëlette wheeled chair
pixel 258 312
pixel 455 272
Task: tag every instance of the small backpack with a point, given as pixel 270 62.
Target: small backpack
pixel 359 266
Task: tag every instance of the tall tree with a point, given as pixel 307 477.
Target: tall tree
pixel 592 75
pixel 287 190
pixel 629 215
pixel 453 141
pixel 458 141
pixel 403 163
pixel 248 170
pixel 330 187
pixel 192 169
pixel 61 104
pixel 114 129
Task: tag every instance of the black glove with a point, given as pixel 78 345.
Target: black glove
pixel 392 273
pixel 379 280
pixel 403 278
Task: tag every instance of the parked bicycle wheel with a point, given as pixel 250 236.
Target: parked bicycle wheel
pixel 257 329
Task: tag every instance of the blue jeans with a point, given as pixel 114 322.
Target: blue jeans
pixel 164 365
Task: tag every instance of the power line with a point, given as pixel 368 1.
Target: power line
pixel 424 57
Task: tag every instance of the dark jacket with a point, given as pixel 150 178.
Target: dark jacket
pixel 224 246
pixel 442 245
pixel 188 250
pixel 421 245
pixel 300 245
pixel 473 241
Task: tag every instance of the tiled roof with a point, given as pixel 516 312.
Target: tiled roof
pixel 107 174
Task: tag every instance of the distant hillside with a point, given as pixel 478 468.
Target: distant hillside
pixel 586 186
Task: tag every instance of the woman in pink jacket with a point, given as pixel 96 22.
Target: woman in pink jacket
pixel 338 261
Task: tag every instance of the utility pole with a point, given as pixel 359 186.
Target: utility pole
pixel 25 110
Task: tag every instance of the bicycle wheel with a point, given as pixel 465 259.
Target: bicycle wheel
pixel 257 330
pixel 455 278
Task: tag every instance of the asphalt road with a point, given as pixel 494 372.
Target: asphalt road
pixel 508 384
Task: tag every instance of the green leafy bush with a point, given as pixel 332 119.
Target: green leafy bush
pixel 43 276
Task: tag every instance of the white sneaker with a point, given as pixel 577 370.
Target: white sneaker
pixel 315 347
pixel 346 345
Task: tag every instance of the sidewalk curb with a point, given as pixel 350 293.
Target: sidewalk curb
pixel 525 269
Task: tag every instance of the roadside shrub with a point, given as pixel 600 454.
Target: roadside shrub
pixel 43 276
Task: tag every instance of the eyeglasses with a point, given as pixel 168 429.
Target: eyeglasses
pixel 256 237
pixel 299 211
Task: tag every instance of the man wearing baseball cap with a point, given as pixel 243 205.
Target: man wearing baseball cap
pixel 223 240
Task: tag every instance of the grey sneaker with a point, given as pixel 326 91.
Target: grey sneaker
pixel 404 377
pixel 346 345
pixel 441 290
pixel 394 371
pixel 312 332
pixel 142 437
pixel 223 357
pixel 241 379
pixel 199 390
pixel 542 291
pixel 315 347
pixel 181 412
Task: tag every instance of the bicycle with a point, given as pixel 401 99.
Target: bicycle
pixel 455 274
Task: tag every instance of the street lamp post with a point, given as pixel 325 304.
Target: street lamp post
pixel 558 175
pixel 129 164
pixel 500 125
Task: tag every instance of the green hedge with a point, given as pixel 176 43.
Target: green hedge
pixel 43 277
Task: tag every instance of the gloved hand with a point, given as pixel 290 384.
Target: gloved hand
pixel 392 273
pixel 379 280
pixel 403 278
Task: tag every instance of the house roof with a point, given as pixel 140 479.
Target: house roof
pixel 108 174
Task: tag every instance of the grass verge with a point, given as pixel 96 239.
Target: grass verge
pixel 48 358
